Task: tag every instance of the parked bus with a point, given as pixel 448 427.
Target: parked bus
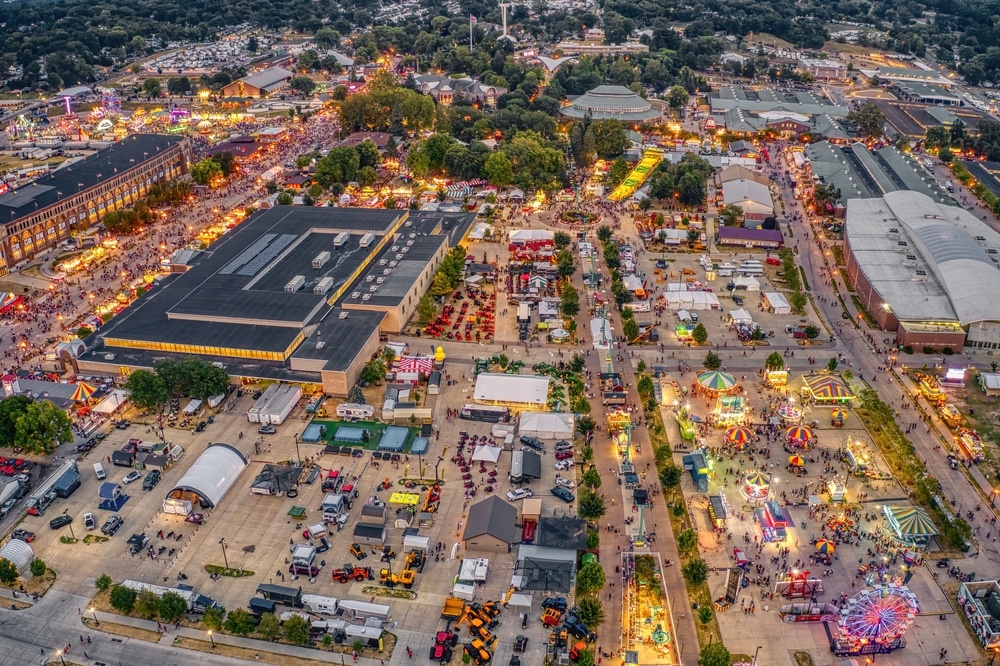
pixel 485 413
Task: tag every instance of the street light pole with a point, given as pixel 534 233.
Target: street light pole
pixel 754 662
pixel 225 559
pixel 97 622
pixel 211 638
pixel 59 654
pixel 297 456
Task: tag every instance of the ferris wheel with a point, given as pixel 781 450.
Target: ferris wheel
pixel 881 614
pixel 111 104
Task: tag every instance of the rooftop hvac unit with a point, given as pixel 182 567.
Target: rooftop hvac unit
pixel 323 286
pixel 343 315
pixel 395 248
pixel 321 260
pixel 893 233
pixel 367 239
pixel 380 280
pixel 404 249
pixel 320 344
pixel 356 294
pixel 408 223
pixel 369 278
pixel 381 262
pixel 981 239
pixel 411 235
pixel 901 246
pixel 409 243
pixel 373 288
pixel 366 297
pixel 392 264
pixel 399 256
pixel 387 271
pixel 296 283
pixel 341 239
pixel 909 260
pixel 920 276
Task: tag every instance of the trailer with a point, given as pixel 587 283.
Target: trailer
pixel 289 596
pixel 319 604
pixel 36 502
pixel 67 484
pixel 253 415
pixel 281 405
pixel 340 240
pixel 197 603
pixel 11 488
pixel 362 610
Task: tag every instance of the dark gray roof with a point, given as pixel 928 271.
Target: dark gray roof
pixel 492 516
pixel 605 102
pixel 89 172
pixel 531 465
pixel 398 279
pixel 562 532
pixel 739 233
pixel 369 531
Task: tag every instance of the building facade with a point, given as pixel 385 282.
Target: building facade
pixel 41 214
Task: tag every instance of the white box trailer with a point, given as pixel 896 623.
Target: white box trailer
pixel 283 404
pixel 319 604
pixel 414 542
pixel 362 610
pixel 482 569
pixel 253 414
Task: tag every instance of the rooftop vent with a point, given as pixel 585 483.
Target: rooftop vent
pixel 343 315
pixel 320 344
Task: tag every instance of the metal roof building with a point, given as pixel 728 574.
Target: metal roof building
pixel 613 103
pixel 260 84
pixel 926 270
pixel 490 526
pixel 211 476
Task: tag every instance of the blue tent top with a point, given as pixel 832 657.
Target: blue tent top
pixel 349 434
pixel 314 432
pixel 393 439
pixel 109 490
pixel 419 446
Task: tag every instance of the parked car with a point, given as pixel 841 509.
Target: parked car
pixel 555 603
pixel 563 494
pixel 267 430
pixel 533 442
pixel 137 542
pixel 7 506
pixel 89 521
pixel 563 465
pixel 565 483
pixel 518 494
pixel 151 480
pixel 23 535
pixel 520 643
pixel 134 475
pixel 86 446
pixel 112 524
pixel 201 426
pixel 564 455
pixel 121 425
pixel 60 521
pixel 563 446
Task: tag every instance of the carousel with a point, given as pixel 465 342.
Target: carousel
pixel 715 383
pixel 800 436
pixel 788 412
pixel 756 487
pixel 730 410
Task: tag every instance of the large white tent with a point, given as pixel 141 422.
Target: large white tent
pixel 747 282
pixel 112 402
pixel 601 333
pixel 18 553
pixel 506 389
pixel 547 425
pixel 741 316
pixel 212 474
pixel 525 235
pixel 777 302
pixel 692 300
pixel 486 454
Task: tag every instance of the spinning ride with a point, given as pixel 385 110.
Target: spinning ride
pixel 756 487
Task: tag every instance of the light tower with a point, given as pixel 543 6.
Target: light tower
pixel 504 6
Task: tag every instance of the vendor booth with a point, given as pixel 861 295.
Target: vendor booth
pixel 730 410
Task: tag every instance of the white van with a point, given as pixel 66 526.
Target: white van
pixel 99 471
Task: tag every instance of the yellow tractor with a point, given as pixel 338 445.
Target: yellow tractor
pixel 404 578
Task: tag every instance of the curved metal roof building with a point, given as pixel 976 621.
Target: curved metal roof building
pixel 613 103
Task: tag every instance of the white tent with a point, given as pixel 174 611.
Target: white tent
pixel 112 402
pixel 486 454
pixel 777 302
pixel 740 316
pixel 632 283
pixel 474 279
pixel 601 333
pixel 212 474
pixel 520 601
pixel 559 334
pixel 503 388
pixel 525 235
pixel 516 194
pixel 478 231
pixel 683 315
pixel 18 553
pixel 547 425
pixel 747 282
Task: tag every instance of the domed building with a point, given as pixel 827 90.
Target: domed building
pixel 613 103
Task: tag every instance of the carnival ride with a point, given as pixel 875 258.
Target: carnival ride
pixel 643 170
pixel 929 387
pixel 756 487
pixel 970 442
pixel 875 620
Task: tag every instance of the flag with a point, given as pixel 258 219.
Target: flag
pixel 472 19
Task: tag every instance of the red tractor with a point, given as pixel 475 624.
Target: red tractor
pixel 350 571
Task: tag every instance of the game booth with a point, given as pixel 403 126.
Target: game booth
pixel 718 510
pixel 773 519
pixel 776 377
pixel 730 410
pixel 970 442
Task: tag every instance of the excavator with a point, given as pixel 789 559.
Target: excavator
pixel 415 560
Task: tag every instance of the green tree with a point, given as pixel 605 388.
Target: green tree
pixel 691 189
pixel 604 233
pixel 591 478
pixel 831 365
pixel 38 567
pixel 103 582
pixel 812 331
pixel 945 155
pixel 302 84
pixel 561 239
pixel 206 171
pixel 11 408
pixel 297 630
pixel 730 215
pixel 631 329
pixel 869 120
pixel 146 389
pixel 374 371
pixel 41 427
pixel 687 540
pixel 712 361
pixel 677 97
pixel 326 38
pixel 774 361
pixel 700 334
pixel 618 171
pixel 285 199
pixel 570 300
pixel 147 604
pixel 239 622
pixel 172 606
pixel 592 506
pixel 498 169
pixel 426 309
pixel 585 658
pixel 714 654
pixel 585 425
pixel 645 386
pixel 590 579
pixel 152 88
pixel 368 155
pixel 936 137
pixel 213 617
pixel 705 614
pixel 8 572
pixel 566 263
pixel 695 572
pixel 590 611
pixel 269 627
pixel 84 332
pixel 367 176
pixel 670 475
pixel 122 598
pixel 610 139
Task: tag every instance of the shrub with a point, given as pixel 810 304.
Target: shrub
pixel 8 572
pixel 38 567
pixel 104 582
pixel 122 598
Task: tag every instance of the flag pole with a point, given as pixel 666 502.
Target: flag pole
pixel 470 33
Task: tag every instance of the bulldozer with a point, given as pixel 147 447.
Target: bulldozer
pixel 349 571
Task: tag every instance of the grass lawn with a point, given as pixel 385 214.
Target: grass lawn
pixel 376 430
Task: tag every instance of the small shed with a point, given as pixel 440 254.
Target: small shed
pixel 373 515
pixel 777 303
pixel 490 526
pixel 112 496
pixel 151 461
pixel 370 535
